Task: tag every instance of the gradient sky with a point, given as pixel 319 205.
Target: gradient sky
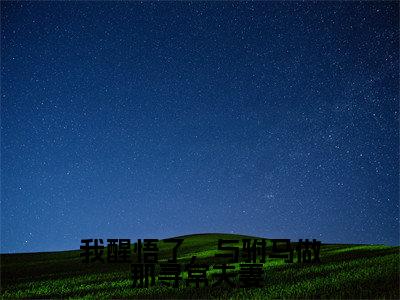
pixel 152 120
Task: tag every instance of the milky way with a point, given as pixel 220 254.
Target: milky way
pixel 152 120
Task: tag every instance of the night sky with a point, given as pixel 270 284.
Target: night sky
pixel 152 120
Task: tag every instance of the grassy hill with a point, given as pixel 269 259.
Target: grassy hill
pixel 345 271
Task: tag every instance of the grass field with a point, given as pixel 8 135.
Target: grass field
pixel 345 271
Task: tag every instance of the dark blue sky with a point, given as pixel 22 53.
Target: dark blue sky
pixel 151 120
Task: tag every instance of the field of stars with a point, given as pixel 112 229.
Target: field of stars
pixel 158 119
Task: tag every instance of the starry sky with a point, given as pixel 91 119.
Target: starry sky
pixel 152 120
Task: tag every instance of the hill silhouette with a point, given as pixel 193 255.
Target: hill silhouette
pixel 345 271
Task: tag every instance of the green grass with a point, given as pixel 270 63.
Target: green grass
pixel 345 271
